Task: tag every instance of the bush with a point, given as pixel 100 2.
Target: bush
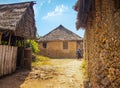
pixel 34 45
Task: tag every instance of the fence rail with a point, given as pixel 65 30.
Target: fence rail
pixel 8 56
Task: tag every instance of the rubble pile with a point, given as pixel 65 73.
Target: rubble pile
pixel 43 72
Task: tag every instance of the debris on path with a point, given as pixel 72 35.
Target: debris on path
pixel 63 73
pixel 43 72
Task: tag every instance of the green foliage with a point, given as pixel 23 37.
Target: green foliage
pixel 4 42
pixel 34 45
pixel 84 68
pixel 19 43
pixel 41 60
pixel 84 65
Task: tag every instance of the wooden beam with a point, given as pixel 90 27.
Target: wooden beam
pixel 0 37
pixel 10 38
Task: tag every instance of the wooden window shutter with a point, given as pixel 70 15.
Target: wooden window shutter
pixel 65 45
pixel 44 45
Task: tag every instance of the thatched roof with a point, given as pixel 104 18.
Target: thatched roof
pixel 84 8
pixel 60 33
pixel 19 18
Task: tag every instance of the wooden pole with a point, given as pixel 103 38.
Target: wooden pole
pixel 0 37
pixel 10 38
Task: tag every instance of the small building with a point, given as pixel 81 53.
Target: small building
pixel 60 43
pixel 16 25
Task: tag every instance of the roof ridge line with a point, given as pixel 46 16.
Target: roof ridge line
pixel 34 2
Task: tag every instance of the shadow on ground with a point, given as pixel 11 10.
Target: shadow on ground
pixel 14 80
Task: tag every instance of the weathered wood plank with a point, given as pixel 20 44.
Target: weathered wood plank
pixel 15 58
pixel 8 56
pixel 3 60
pixel 0 60
pixel 7 60
pixel 11 59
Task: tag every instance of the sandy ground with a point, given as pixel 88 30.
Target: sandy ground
pixel 68 75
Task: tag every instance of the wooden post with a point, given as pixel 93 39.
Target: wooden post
pixel 10 38
pixel 0 37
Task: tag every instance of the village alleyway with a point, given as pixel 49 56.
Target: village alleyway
pixel 64 73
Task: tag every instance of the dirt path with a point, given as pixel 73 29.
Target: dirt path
pixel 64 73
pixel 72 76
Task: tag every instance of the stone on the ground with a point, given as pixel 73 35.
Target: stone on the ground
pixel 43 72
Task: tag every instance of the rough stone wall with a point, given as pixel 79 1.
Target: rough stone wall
pixel 102 46
pixel 55 49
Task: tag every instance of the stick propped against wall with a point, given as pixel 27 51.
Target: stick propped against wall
pixel 10 38
pixel 0 37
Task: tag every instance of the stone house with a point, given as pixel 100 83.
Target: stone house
pixel 60 43
pixel 101 21
pixel 16 25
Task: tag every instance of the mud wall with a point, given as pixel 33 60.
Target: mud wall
pixel 102 46
pixel 55 49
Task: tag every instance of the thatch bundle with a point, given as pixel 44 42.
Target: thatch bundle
pixel 84 8
pixel 18 18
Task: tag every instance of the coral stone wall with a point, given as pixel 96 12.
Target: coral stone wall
pixel 102 46
pixel 55 49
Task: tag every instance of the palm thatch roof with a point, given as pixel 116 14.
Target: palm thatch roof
pixel 60 33
pixel 19 18
pixel 84 8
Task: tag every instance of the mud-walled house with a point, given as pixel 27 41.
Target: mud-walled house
pixel 101 20
pixel 16 25
pixel 60 43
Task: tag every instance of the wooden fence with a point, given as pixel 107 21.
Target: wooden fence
pixel 8 56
